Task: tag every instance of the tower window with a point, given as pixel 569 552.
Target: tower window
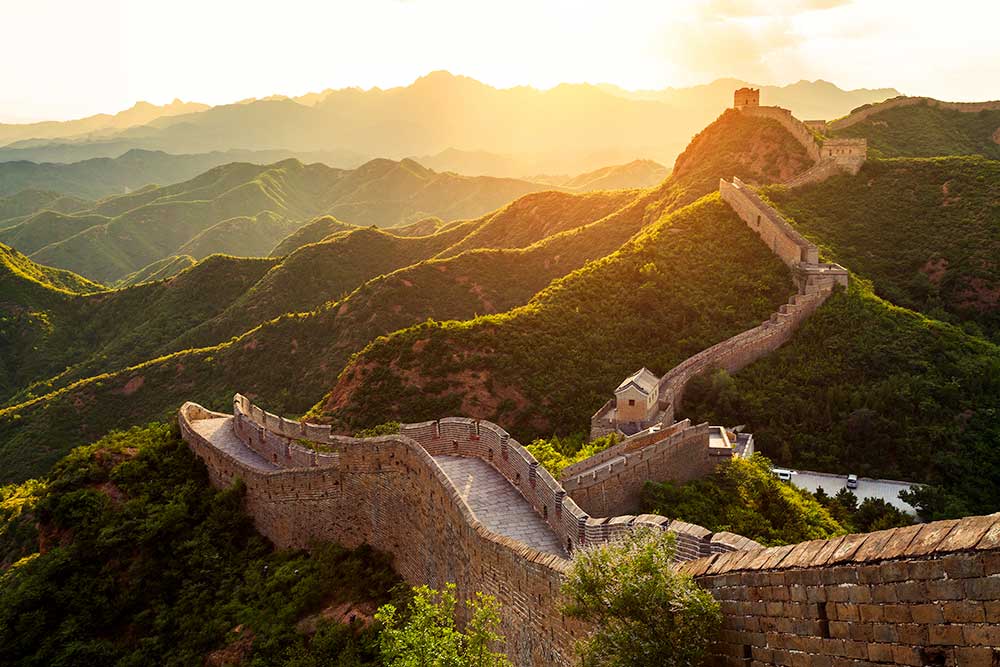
pixel 631 402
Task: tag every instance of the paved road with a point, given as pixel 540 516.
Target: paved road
pixel 498 504
pixel 886 489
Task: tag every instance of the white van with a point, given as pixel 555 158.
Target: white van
pixel 783 474
pixel 852 481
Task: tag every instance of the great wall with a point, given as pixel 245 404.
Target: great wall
pixel 458 500
pixel 866 112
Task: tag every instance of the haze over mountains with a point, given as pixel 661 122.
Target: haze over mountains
pixel 565 130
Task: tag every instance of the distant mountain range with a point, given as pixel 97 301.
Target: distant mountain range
pixel 568 129
pixel 245 209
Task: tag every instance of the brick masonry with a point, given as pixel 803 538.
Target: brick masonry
pixel 304 485
pixel 920 595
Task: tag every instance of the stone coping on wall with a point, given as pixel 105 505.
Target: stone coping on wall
pixel 486 440
pixel 976 533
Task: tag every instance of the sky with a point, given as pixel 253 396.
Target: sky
pixel 68 58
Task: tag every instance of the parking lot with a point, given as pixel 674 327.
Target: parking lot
pixel 886 489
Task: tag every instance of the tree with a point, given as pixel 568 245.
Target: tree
pixel 645 612
pixel 426 635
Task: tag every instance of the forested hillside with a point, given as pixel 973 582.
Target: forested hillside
pixel 126 555
pixel 923 130
pixel 925 231
pixel 290 362
pixel 691 280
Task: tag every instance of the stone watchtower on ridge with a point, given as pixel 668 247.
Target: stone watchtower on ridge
pixel 746 97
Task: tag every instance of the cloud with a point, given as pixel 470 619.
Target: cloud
pixel 724 9
pixel 742 48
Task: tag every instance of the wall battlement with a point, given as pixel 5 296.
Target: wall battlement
pixel 304 484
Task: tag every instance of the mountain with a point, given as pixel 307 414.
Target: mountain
pixel 26 202
pixel 566 129
pixel 635 174
pixel 139 114
pixel 924 127
pixel 132 169
pixel 678 283
pixel 312 232
pixel 925 231
pixel 248 209
pixel 291 361
pixel 806 99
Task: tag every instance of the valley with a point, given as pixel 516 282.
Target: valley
pixel 266 368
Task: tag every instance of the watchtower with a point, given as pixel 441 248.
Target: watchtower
pixel 746 97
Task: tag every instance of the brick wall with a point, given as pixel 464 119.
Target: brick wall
pixel 921 595
pixel 391 494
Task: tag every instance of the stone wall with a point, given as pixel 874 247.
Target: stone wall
pixel 391 494
pixel 902 101
pixel 921 595
pixel 794 126
pixel 742 349
pixel 817 173
pixel 279 441
pixel 790 246
pixel 613 486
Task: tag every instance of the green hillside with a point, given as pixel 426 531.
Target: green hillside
pixel 923 130
pixel 158 270
pixel 26 202
pixel 694 278
pixel 317 273
pixel 874 389
pixel 36 231
pixel 925 231
pixel 62 338
pixel 312 232
pixel 244 236
pixel 126 555
pixel 533 217
pixel 290 362
pixel 756 150
pixel 248 209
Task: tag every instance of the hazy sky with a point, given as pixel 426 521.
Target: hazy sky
pixel 71 58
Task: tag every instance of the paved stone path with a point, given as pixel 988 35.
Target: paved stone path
pixel 498 504
pixel 219 432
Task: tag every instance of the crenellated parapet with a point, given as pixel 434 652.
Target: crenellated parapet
pixel 288 444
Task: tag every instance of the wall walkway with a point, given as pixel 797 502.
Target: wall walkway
pixel 454 500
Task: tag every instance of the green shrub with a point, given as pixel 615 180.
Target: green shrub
pixel 645 613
